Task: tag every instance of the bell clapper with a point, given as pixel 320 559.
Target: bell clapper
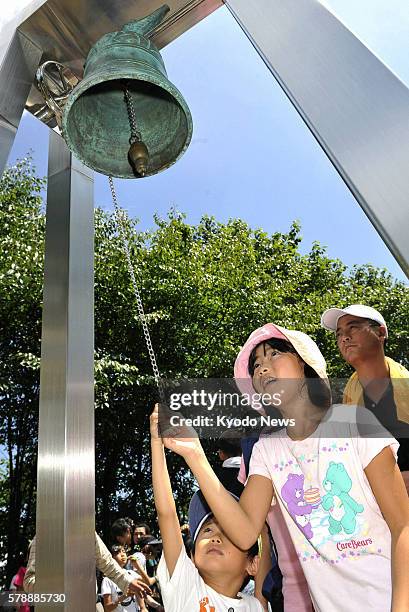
pixel 138 152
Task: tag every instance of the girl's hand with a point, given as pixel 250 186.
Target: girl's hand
pixel 180 439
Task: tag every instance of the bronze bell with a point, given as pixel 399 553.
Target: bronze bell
pixel 125 77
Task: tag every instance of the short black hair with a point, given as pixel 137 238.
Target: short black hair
pixel 229 443
pixel 130 521
pixel 114 549
pixel 146 527
pixel 319 391
pixel 120 527
pixel 145 540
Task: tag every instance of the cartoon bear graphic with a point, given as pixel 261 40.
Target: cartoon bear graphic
pixel 292 493
pixel 341 506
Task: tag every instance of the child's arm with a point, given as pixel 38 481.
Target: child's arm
pixel 263 568
pixel 109 605
pixel 141 603
pixel 172 540
pixel 137 567
pixel 152 603
pixel 389 489
pixel 108 566
pixel 242 522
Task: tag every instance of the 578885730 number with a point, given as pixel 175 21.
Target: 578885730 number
pixel 35 598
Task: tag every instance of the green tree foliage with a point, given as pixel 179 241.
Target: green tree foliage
pixel 21 263
pixel 205 288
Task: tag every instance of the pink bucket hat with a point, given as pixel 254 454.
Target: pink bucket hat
pixel 303 344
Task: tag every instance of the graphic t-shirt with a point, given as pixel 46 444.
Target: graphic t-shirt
pixel 339 533
pixel 109 588
pixel 186 591
pixel 294 585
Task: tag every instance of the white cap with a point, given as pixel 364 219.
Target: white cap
pixel 330 317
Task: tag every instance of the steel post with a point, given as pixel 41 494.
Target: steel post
pixel 65 554
pixel 353 104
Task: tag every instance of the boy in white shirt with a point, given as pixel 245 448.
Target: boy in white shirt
pixel 211 580
pixel 114 599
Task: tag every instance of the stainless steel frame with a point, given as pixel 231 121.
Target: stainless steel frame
pixel 17 67
pixel 66 472
pixel 355 107
pixel 353 104
pixel 66 29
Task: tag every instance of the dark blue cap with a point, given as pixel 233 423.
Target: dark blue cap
pixel 199 512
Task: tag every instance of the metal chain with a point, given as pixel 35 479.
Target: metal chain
pixel 135 133
pixel 122 231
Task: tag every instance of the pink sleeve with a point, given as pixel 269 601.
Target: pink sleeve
pixel 258 464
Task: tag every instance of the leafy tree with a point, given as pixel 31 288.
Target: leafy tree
pixel 204 287
pixel 21 236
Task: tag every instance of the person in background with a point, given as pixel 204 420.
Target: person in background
pixel 151 548
pixel 187 538
pixel 104 562
pixel 379 383
pixel 17 585
pixel 121 532
pixel 141 530
pixel 114 598
pixel 229 450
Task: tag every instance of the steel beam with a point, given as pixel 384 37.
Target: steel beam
pixel 65 555
pixel 18 64
pixel 354 105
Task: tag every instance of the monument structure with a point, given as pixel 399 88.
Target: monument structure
pixel 355 107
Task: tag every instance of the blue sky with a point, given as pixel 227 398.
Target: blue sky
pixel 236 107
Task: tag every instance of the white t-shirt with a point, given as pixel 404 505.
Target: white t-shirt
pixel 339 533
pixel 186 591
pixel 110 588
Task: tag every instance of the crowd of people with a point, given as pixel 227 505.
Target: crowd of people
pixel 136 551
pixel 313 516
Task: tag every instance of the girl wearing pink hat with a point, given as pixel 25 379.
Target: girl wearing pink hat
pixel 341 494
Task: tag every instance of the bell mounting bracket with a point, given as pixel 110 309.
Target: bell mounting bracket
pixel 55 82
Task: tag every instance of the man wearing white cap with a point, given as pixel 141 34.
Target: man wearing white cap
pixel 379 383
